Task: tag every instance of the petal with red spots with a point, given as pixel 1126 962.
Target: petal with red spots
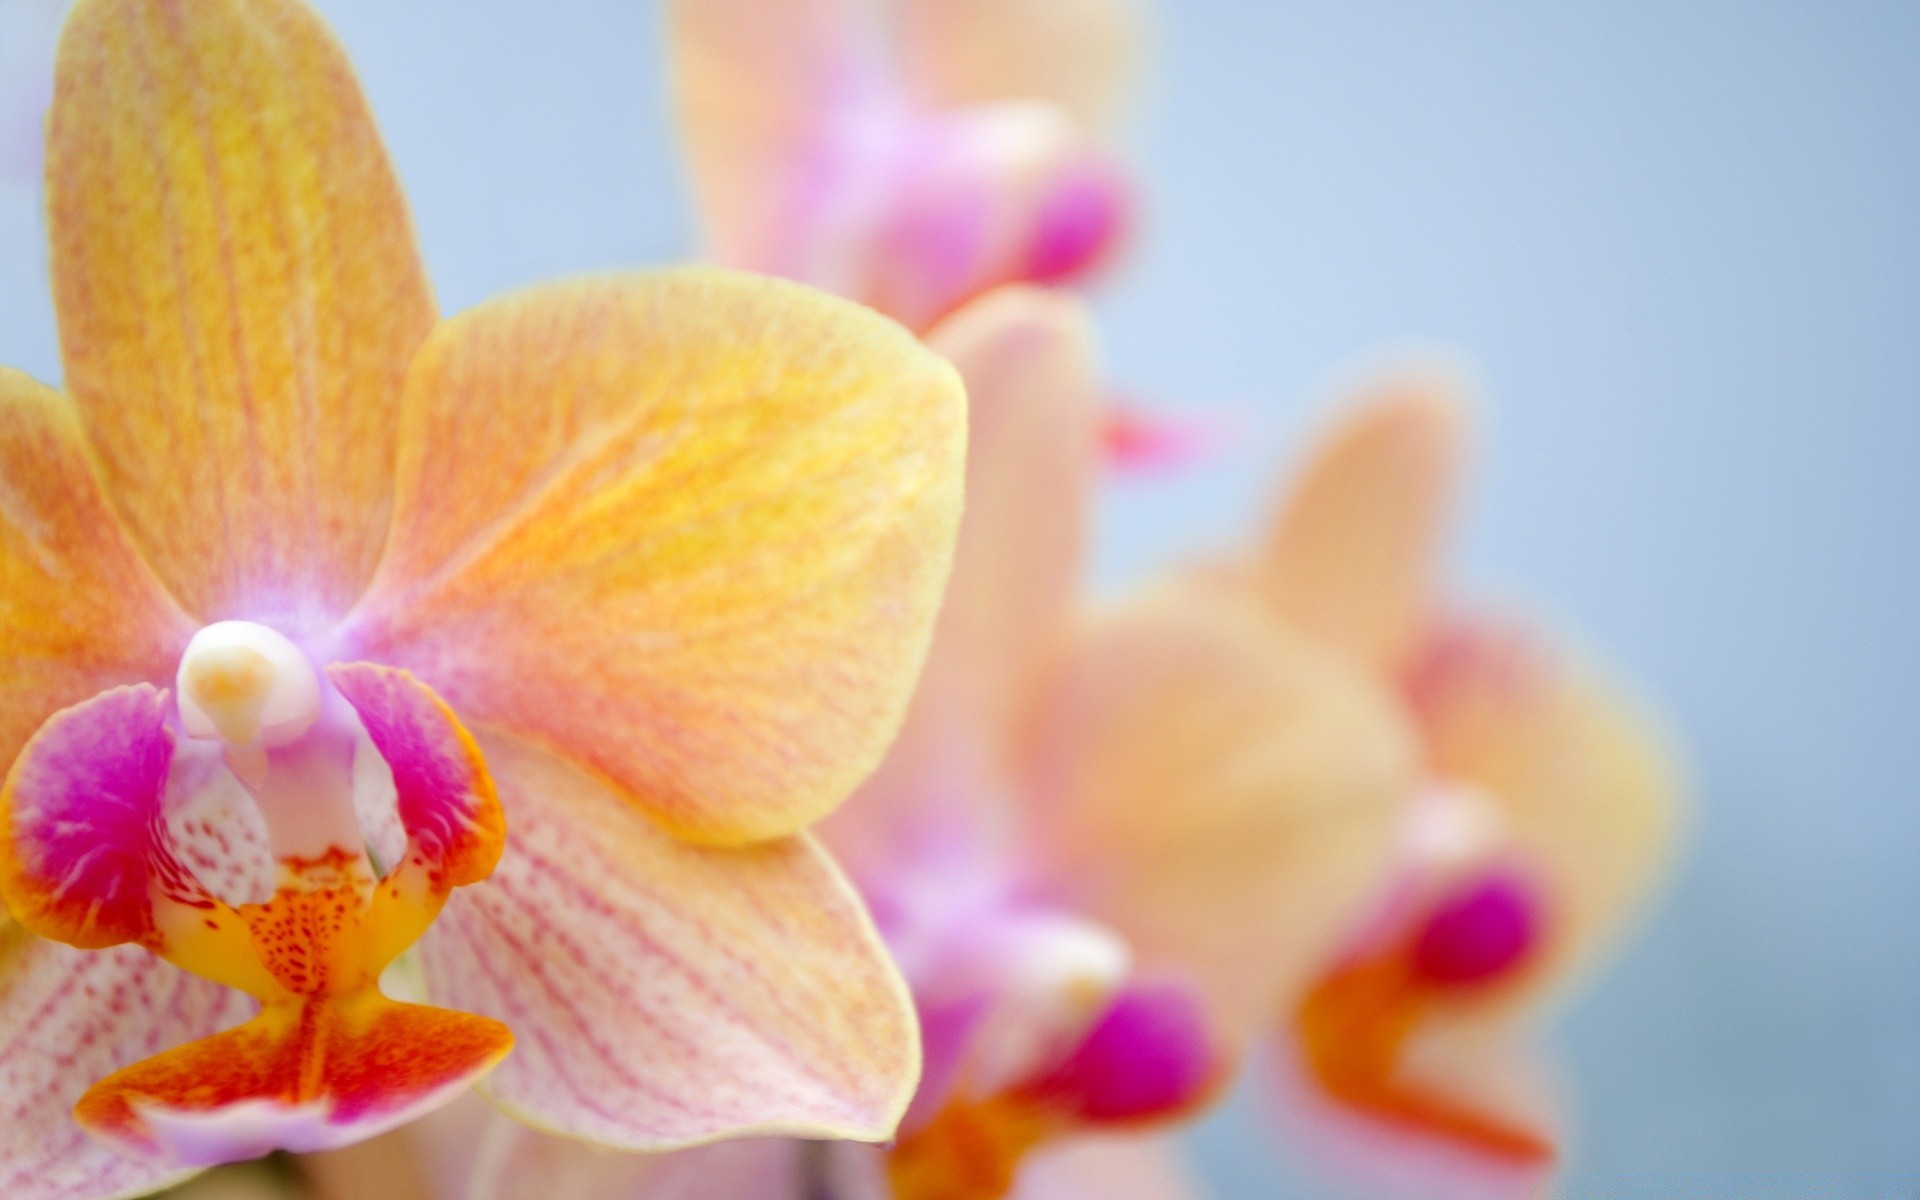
pixel 302 1076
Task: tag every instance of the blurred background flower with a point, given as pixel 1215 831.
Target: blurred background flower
pixel 1680 244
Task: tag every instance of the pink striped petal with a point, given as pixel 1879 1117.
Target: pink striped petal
pixel 68 1017
pixel 666 994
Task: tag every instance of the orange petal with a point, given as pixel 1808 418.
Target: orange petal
pixel 239 295
pixel 1080 54
pixel 667 994
pixel 1027 359
pixel 690 529
pixel 1350 555
pixel 302 1076
pixel 1106 1167
pixel 1590 791
pixel 79 611
pixel 1220 791
pixel 58 1031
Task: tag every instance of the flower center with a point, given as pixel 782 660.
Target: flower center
pixel 287 739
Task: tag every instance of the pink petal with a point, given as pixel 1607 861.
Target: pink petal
pixel 68 1017
pixel 1027 358
pixel 1106 1167
pixel 85 849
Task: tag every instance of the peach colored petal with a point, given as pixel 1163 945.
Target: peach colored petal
pixel 1027 359
pixel 689 529
pixel 1221 791
pixel 1080 54
pixel 1585 779
pixel 666 994
pixel 79 611
pixel 1106 1167
pixel 775 101
pixel 1350 555
pixel 239 295
pixel 68 1017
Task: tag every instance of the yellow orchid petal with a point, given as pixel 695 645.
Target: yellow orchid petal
pixel 1350 555
pixel 238 293
pixel 1585 780
pixel 1080 54
pixel 688 529
pixel 1033 439
pixel 1221 791
pixel 53 1043
pixel 668 994
pixel 79 611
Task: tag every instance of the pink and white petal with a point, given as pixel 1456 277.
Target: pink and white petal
pixel 1027 359
pixel 68 1017
pixel 1586 780
pixel 1107 1167
pixel 665 994
pixel 1080 54
pixel 1350 555
pixel 778 102
pixel 1221 791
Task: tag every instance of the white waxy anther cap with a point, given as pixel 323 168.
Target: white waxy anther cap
pixel 1453 825
pixel 247 686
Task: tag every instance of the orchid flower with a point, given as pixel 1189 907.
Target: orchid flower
pixel 1105 847
pixel 1547 807
pixel 317 609
pixel 909 154
pixel 915 154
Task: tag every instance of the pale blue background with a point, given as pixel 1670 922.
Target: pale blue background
pixel 1680 241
